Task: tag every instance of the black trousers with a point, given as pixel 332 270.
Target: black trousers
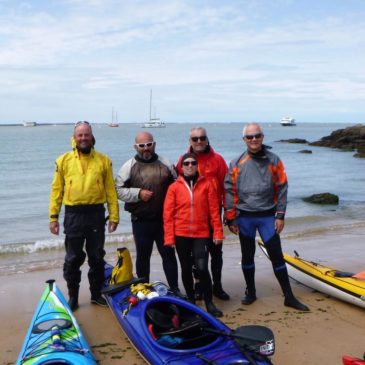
pixel 84 229
pixel 216 262
pixel 194 251
pixel 145 233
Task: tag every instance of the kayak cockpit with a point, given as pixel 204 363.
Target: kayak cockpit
pixel 177 327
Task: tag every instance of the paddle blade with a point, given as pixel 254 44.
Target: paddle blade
pixel 259 339
pixel 360 275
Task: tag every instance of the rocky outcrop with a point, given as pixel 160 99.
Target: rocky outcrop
pixel 323 198
pixel 294 140
pixel 347 139
pixel 305 151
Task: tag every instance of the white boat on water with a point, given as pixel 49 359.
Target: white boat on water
pixel 287 121
pixel 29 124
pixel 153 122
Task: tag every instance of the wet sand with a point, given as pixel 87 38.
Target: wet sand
pixel 331 329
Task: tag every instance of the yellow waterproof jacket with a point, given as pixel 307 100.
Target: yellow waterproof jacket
pixel 73 186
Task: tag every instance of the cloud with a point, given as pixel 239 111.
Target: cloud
pixel 218 51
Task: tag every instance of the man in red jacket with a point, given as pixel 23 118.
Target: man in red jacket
pixel 213 166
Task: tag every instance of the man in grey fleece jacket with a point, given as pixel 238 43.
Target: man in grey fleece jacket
pixel 256 190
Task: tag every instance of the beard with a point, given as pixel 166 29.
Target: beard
pixel 84 150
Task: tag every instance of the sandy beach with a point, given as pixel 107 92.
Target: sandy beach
pixel 331 329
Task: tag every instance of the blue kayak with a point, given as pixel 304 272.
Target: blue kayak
pixel 167 329
pixel 54 337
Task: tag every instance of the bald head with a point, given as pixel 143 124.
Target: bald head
pixel 143 136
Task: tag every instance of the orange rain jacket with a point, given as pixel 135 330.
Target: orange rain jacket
pixel 211 165
pixel 190 212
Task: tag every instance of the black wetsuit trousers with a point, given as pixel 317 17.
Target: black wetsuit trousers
pixel 194 251
pixel 145 233
pixel 84 229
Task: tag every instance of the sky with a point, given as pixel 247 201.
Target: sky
pixel 205 61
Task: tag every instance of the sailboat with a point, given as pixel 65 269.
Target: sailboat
pixel 114 123
pixel 153 122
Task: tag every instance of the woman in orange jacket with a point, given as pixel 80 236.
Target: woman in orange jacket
pixel 191 207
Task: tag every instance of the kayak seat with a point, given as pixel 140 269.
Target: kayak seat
pixel 343 274
pixel 164 319
pixel 168 320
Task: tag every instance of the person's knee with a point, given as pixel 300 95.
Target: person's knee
pixel 201 265
pixel 274 251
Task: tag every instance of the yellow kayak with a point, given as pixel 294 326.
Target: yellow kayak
pixel 339 284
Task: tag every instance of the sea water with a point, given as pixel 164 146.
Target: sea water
pixel 27 158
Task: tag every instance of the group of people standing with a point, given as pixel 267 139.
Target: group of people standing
pixel 176 208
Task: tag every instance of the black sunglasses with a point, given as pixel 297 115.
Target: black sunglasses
pixel 196 139
pixel 143 145
pixel 252 136
pixel 192 163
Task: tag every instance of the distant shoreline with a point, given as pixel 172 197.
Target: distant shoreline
pixel 37 125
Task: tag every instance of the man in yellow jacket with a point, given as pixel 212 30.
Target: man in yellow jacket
pixel 83 182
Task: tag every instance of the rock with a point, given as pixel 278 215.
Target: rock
pixel 347 139
pixel 294 140
pixel 360 152
pixel 323 198
pixel 305 151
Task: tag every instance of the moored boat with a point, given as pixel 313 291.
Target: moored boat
pixel 153 121
pixel 343 285
pixel 114 123
pixel 29 124
pixel 287 121
pixel 54 337
pixel 166 329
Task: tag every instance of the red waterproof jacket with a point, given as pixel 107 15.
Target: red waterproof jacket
pixel 191 212
pixel 211 165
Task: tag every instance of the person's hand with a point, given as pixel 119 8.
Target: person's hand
pixel 145 195
pixel 279 225
pixel 218 242
pixel 172 245
pixel 54 227
pixel 112 226
pixel 233 228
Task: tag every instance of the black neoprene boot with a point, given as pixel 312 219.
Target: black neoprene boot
pixel 249 297
pixel 219 292
pixel 73 301
pixel 290 300
pixel 250 293
pixel 213 310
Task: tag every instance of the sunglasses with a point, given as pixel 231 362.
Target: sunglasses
pixel 82 122
pixel 143 145
pixel 192 163
pixel 201 138
pixel 252 136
